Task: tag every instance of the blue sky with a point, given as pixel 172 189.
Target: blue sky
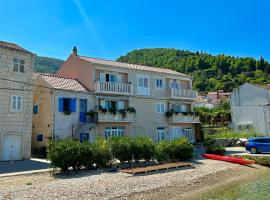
pixel 111 28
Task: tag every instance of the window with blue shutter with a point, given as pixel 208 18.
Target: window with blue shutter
pixel 73 105
pixel 35 109
pixel 61 104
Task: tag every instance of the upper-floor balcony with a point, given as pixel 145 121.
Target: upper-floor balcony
pixel 115 117
pixel 183 94
pixel 181 118
pixel 113 88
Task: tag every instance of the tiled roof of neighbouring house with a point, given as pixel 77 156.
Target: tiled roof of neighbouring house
pixel 12 46
pixel 131 66
pixel 63 83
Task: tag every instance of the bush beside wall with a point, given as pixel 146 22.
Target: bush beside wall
pixel 71 153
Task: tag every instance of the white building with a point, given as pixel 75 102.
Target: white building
pixel 250 108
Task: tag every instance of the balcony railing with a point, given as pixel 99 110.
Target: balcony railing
pixel 118 117
pixel 184 93
pixel 113 88
pixel 84 118
pixel 180 118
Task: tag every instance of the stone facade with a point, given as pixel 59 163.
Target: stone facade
pixel 147 120
pixel 16 83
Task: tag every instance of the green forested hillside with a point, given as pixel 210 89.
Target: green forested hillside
pixel 47 65
pixel 210 72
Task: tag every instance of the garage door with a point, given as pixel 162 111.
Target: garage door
pixel 12 147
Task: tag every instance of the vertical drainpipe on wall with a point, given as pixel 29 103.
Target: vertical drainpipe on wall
pixel 53 126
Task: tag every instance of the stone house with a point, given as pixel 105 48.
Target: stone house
pixel 16 68
pixel 250 108
pixel 150 91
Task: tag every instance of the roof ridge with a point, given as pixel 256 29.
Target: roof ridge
pixel 137 65
pixel 51 75
pixel 14 46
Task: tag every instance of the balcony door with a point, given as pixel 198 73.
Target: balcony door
pixel 143 87
pixel 110 77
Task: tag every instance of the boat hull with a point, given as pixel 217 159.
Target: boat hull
pixel 230 159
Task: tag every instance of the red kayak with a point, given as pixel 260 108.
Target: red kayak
pixel 231 159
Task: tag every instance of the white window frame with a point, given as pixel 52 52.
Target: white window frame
pixel 160 108
pixel 115 131
pixel 139 92
pixel 18 63
pixel 16 109
pixel 162 83
pixel 161 134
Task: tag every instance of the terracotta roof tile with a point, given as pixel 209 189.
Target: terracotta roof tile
pixel 13 46
pixel 131 66
pixel 63 83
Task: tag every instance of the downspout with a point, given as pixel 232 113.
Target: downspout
pixel 53 126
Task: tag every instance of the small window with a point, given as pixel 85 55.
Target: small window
pixel 84 137
pixel 40 138
pixel 160 107
pixel 66 104
pixel 159 83
pixel 18 65
pixel 16 103
pixel 35 109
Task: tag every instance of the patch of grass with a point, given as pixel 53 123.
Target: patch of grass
pixel 28 183
pixel 229 134
pixel 258 160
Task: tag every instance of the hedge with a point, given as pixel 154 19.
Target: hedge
pixel 69 153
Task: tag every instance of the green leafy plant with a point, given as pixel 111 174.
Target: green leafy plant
pixel 101 152
pixel 123 112
pixel 219 150
pixel 131 110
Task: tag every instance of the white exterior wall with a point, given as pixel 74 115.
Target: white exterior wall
pixel 66 125
pixel 249 105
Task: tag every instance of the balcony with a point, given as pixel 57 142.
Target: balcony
pixel 118 117
pixel 183 94
pixel 180 118
pixel 113 88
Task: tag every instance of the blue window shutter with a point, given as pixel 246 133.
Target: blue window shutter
pixel 73 105
pixel 61 104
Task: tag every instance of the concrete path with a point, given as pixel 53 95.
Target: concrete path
pixel 24 166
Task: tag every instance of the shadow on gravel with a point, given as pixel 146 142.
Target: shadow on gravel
pixel 22 165
pixel 164 171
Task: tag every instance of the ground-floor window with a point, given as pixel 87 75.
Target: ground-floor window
pixel 160 133
pixel 177 132
pixel 40 137
pixel 189 134
pixel 114 131
pixel 84 137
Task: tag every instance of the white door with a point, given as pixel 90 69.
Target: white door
pixel 12 147
pixel 160 134
pixel 143 85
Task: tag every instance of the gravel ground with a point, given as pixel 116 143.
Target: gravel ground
pixel 103 185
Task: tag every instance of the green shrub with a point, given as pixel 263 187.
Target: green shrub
pixel 219 150
pixel 162 152
pixel 143 148
pixel 228 134
pixel 179 149
pixel 63 154
pixel 101 152
pixel 85 155
pixel 121 148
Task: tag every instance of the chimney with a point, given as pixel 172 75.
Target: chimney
pixel 74 51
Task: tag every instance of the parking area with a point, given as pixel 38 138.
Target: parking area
pixel 242 151
pixel 23 165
